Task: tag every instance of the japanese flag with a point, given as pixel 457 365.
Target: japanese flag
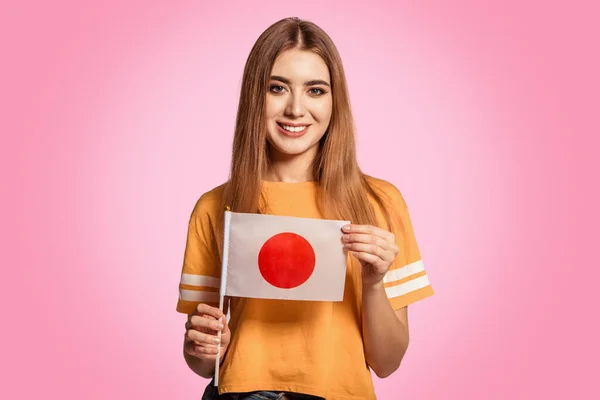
pixel 276 257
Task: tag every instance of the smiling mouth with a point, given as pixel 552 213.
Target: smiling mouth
pixel 293 129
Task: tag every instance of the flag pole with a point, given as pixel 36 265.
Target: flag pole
pixel 223 288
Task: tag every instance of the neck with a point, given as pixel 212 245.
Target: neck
pixel 291 168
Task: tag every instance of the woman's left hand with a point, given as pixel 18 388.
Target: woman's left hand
pixel 374 247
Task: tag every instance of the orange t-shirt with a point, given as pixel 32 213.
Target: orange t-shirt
pixel 308 347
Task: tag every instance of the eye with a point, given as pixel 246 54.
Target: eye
pixel 316 91
pixel 276 89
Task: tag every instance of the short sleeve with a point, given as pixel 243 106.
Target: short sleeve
pixel 406 281
pixel 201 271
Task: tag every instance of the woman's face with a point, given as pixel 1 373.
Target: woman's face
pixel 299 103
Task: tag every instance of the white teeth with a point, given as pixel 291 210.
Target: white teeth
pixel 294 129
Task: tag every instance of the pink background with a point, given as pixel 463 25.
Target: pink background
pixel 117 115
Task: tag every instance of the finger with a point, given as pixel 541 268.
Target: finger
pixel 200 338
pixel 371 249
pixel 190 325
pixel 205 350
pixel 210 317
pixel 225 330
pixel 200 348
pixel 205 309
pixel 369 239
pixel 199 322
pixel 369 229
pixel 202 352
pixel 367 257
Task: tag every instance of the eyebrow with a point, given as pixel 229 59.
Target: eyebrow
pixel 309 83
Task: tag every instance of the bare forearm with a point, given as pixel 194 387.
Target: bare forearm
pixel 385 336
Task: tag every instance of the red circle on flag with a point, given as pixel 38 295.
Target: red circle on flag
pixel 286 260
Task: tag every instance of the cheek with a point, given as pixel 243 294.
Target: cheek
pixel 275 106
pixel 322 111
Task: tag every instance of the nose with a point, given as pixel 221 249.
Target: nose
pixel 295 107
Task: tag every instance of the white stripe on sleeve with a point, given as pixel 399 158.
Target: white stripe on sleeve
pixel 199 295
pixel 407 287
pixel 200 280
pixel 401 273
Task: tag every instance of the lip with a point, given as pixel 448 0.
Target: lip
pixel 291 124
pixel 293 134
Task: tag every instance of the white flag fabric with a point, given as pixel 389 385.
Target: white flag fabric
pixel 277 257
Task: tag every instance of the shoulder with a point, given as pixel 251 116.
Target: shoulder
pixel 209 205
pixel 388 191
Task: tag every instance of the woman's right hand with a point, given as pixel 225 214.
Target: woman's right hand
pixel 202 327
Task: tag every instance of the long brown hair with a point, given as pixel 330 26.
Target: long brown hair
pixel 343 189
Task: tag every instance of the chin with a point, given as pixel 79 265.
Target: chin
pixel 290 150
pixel 292 147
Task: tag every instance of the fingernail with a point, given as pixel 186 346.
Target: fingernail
pixel 346 227
pixel 216 340
pixel 219 326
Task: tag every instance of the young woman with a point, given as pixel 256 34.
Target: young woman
pixel 294 154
